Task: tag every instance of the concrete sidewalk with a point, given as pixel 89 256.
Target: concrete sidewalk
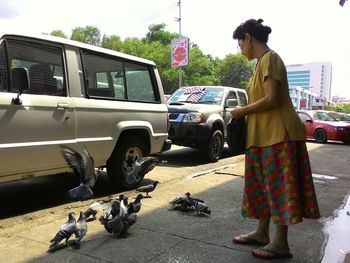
pixel 162 235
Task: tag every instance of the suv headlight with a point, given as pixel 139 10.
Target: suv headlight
pixel 194 117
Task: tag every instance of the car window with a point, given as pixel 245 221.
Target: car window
pixel 102 76
pixel 242 98
pixel 322 116
pixel 44 64
pixel 304 117
pixel 139 83
pixel 3 69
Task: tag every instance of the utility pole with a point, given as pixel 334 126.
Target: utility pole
pixel 180 36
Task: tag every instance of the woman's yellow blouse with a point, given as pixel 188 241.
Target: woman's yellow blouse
pixel 270 127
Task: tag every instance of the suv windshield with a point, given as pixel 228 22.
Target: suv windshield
pixel 203 95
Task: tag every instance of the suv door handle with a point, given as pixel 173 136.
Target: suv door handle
pixel 62 106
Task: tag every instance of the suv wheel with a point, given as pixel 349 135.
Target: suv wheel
pixel 121 161
pixel 212 149
pixel 320 136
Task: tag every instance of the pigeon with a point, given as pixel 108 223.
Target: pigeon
pixel 147 188
pixel 65 232
pixel 201 208
pixel 135 206
pixel 181 202
pixel 123 205
pixel 83 168
pixel 95 207
pixel 115 225
pixel 116 208
pixel 128 221
pixel 140 168
pixel 81 229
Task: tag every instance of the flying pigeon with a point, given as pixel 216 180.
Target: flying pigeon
pixel 140 168
pixel 81 229
pixel 65 232
pixel 83 168
pixel 135 206
pixel 147 188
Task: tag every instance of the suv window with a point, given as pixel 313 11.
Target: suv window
pixel 105 78
pixel 44 64
pixel 139 83
pixel 304 117
pixel 3 80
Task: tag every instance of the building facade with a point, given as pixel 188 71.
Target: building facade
pixel 315 77
pixel 303 99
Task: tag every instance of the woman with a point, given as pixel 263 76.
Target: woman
pixel 278 179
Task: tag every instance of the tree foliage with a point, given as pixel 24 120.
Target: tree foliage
pixel 157 33
pixel 112 42
pixel 235 70
pixel 58 33
pixel 89 35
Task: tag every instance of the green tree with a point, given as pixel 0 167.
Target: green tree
pixel 133 46
pixel 112 42
pixel 58 33
pixel 201 69
pixel 89 35
pixel 157 33
pixel 235 71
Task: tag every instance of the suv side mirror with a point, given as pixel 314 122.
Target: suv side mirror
pixel 308 120
pixel 20 79
pixel 20 82
pixel 230 103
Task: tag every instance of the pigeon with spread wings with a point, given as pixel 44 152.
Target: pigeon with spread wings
pixel 140 168
pixel 83 167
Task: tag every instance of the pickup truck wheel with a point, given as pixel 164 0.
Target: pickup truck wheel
pixel 121 161
pixel 212 149
pixel 320 136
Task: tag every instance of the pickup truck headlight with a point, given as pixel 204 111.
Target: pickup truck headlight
pixel 194 117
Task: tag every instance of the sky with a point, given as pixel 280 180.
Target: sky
pixel 303 31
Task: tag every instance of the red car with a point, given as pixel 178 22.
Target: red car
pixel 320 126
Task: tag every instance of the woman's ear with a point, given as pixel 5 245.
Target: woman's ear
pixel 248 38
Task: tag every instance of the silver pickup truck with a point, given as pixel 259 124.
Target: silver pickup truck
pixel 55 91
pixel 199 116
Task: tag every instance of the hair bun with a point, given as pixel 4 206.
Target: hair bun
pixel 260 21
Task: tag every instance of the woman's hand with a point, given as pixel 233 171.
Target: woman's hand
pixel 237 112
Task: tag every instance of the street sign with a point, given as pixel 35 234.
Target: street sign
pixel 179 52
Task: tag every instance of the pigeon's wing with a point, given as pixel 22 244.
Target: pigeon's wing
pixel 146 188
pixel 147 164
pixel 130 178
pixel 88 169
pixel 74 160
pixel 80 193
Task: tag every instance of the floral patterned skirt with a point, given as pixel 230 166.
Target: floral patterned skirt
pixel 278 182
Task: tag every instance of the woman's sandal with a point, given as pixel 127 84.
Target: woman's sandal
pixel 243 240
pixel 265 253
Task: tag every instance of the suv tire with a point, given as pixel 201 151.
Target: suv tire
pixel 212 149
pixel 121 161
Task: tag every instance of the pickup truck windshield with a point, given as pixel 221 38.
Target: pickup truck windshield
pixel 199 95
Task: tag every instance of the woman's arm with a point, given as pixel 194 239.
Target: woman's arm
pixel 269 101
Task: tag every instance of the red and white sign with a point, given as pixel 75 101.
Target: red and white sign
pixel 179 52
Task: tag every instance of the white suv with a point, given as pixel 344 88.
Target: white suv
pixel 55 91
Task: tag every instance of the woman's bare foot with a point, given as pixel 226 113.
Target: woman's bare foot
pixel 272 251
pixel 251 239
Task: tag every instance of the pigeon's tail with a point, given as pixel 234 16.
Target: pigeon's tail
pixel 80 193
